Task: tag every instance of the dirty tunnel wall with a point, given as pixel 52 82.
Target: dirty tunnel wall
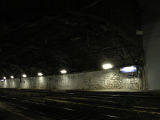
pixel 110 79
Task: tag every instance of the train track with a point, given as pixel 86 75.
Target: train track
pixel 83 105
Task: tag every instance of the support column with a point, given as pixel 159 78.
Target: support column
pixel 152 51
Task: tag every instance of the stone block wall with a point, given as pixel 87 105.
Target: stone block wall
pixel 110 79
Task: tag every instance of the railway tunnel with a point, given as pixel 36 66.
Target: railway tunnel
pixel 28 103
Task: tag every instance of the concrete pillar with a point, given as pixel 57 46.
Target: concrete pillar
pixel 152 54
pixel 152 44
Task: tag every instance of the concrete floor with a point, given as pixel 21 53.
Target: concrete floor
pixel 78 105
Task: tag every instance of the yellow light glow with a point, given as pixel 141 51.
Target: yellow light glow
pixel 40 74
pixel 63 71
pixel 12 77
pixel 107 66
pixel 24 75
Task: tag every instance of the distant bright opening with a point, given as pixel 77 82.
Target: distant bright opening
pixel 4 78
pixel 11 77
pixel 63 71
pixel 128 69
pixel 40 74
pixel 107 66
pixel 24 75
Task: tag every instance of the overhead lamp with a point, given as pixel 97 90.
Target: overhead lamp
pixel 128 69
pixel 24 75
pixel 12 77
pixel 63 71
pixel 40 74
pixel 107 66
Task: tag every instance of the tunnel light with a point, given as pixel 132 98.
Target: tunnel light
pixel 4 78
pixel 24 75
pixel 40 74
pixel 63 71
pixel 12 77
pixel 128 69
pixel 107 66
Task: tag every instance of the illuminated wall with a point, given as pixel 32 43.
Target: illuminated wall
pixel 110 79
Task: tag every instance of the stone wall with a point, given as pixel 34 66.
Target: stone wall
pixel 110 79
